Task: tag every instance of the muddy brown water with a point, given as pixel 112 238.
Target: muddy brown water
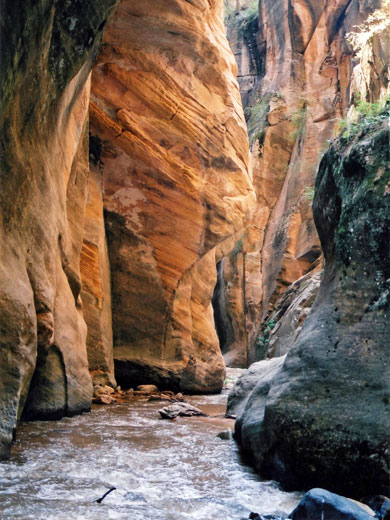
pixel 162 470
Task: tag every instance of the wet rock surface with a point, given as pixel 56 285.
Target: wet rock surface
pixel 47 52
pixel 319 503
pixel 226 435
pixel 326 416
pixel 180 410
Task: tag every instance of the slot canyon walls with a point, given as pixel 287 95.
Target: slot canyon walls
pixel 297 74
pixel 169 168
pixel 47 54
pixel 116 261
pixel 166 112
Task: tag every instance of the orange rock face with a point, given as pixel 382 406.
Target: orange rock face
pixel 174 153
pixel 296 79
pixel 45 84
pixel 96 285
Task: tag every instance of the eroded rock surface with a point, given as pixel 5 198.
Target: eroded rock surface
pixel 297 74
pixel 96 285
pixel 327 413
pixel 279 333
pixel 47 53
pixel 260 376
pixel 174 158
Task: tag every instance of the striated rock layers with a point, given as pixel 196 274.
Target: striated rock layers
pixel 297 76
pixel 173 150
pixel 96 284
pixel 47 53
pixel 326 419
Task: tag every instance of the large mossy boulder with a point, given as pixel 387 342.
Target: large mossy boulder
pixel 326 421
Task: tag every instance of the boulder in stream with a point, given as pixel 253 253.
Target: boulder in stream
pixel 321 504
pixel 103 399
pixel 226 435
pixel 180 409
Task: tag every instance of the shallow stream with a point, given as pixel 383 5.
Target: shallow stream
pixel 162 470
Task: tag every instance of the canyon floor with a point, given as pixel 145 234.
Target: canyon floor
pixel 161 469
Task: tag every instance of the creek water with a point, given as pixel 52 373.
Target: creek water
pixel 161 470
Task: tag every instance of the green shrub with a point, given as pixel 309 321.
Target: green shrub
pixel 262 341
pixel 241 18
pixel 237 248
pixel 298 120
pixel 256 117
pixel 309 193
pixel 367 114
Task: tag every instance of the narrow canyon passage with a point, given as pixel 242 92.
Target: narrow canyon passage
pixel 189 188
pixel 162 470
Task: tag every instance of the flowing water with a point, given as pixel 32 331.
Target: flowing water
pixel 161 470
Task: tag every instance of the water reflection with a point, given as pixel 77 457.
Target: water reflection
pixel 162 470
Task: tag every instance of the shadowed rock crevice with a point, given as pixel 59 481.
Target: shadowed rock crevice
pixel 223 322
pixel 47 397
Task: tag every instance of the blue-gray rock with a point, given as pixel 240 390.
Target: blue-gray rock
pixel 319 504
pixel 226 435
pixel 260 373
pixel 180 409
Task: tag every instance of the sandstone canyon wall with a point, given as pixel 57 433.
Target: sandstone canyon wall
pixel 297 75
pixel 169 167
pixel 47 53
pixel 166 113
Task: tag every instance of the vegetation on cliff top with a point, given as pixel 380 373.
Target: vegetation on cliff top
pixel 363 116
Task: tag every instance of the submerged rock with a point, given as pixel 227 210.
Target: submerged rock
pixel 256 516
